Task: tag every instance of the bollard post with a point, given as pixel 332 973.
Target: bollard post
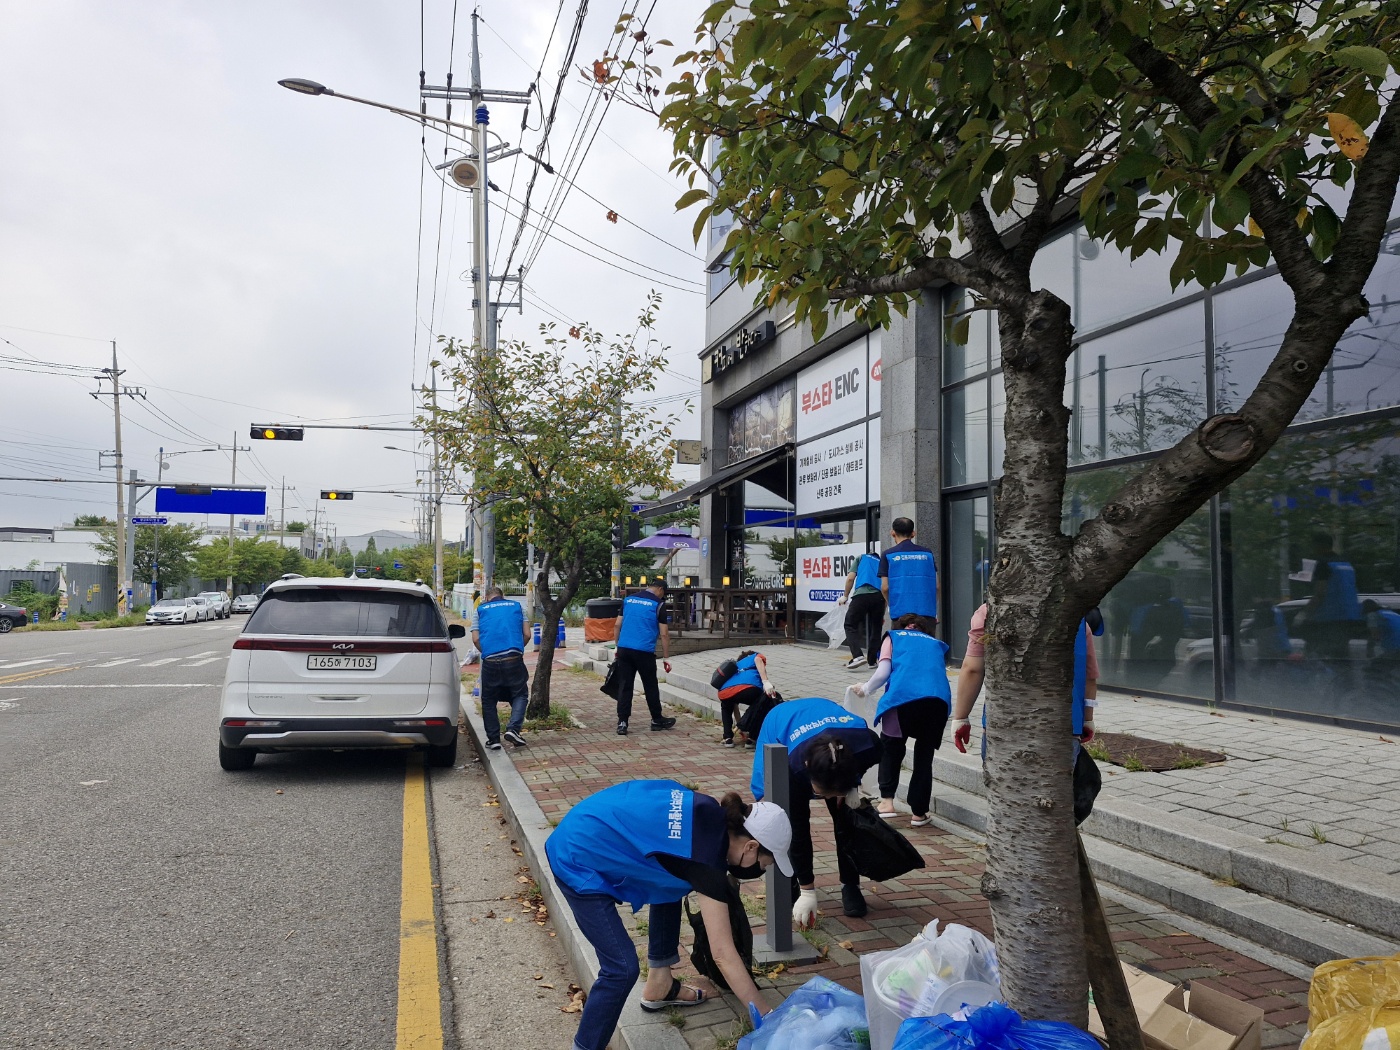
pixel 775 781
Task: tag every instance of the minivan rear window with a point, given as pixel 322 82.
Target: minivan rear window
pixel 346 613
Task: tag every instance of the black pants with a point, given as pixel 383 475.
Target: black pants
pixel 632 662
pixel 923 720
pixel 728 708
pixel 800 796
pixel 865 620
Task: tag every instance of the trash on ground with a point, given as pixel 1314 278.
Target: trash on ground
pixel 821 1015
pixel 993 1027
pixel 1355 1004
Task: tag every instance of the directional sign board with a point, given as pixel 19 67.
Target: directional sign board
pixel 361 570
pixel 150 521
pixel 398 565
pixel 251 502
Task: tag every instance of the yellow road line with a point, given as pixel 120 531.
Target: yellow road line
pixel 420 1002
pixel 24 676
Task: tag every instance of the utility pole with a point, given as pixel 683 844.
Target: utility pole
pixel 131 529
pixel 155 554
pixel 233 480
pixel 483 517
pixel 123 561
pixel 437 489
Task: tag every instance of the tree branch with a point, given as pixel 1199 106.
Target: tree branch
pixel 1296 261
pixel 921 275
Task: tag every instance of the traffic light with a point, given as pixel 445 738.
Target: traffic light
pixel 617 537
pixel 194 490
pixel 336 494
pixel 277 433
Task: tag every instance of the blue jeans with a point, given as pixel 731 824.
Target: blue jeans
pixel 618 969
pixel 503 681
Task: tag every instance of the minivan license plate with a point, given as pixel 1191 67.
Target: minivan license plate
pixel 341 663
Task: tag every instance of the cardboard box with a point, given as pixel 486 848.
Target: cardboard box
pixel 1147 993
pixel 1203 1020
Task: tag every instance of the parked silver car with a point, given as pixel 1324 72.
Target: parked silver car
pixel 219 603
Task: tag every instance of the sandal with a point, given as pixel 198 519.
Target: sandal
pixel 886 814
pixel 921 822
pixel 655 1005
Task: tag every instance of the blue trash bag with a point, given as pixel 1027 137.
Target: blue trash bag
pixel 821 1015
pixel 993 1027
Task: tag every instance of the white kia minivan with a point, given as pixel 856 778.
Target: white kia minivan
pixel 340 664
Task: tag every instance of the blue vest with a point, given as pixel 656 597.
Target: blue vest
pixel 500 626
pixel 913 579
pixel 918 668
pixel 792 724
pixel 640 628
pixel 607 843
pixel 746 675
pixel 1340 601
pixel 1390 631
pixel 867 572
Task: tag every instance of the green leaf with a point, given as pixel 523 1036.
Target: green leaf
pixel 1278 56
pixel 1255 156
pixel 1371 60
pixel 978 68
pixel 690 197
pixel 834 178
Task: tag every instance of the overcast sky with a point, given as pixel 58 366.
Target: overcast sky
pixel 257 254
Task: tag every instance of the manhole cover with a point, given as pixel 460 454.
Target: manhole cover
pixel 1138 754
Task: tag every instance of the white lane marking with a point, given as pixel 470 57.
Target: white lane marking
pixel 90 783
pixel 211 660
pixel 117 663
pixel 161 663
pixel 6 705
pixel 196 656
pixel 10 665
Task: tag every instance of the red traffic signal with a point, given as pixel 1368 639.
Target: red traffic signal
pixel 263 433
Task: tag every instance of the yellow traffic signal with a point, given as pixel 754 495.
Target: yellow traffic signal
pixel 265 433
pixel 336 494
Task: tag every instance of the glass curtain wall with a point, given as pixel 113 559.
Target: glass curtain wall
pixel 1290 575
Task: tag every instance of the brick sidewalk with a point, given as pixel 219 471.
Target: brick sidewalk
pixel 563 767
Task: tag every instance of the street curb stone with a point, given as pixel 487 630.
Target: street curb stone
pixel 637 1029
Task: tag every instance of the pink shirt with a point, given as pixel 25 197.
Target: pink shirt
pixel 977 651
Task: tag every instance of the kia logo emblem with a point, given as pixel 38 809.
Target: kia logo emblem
pixel 343 645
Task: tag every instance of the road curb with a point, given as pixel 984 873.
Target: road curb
pixel 637 1029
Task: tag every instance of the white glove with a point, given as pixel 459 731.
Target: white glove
pixel 804 910
pixel 768 687
pixel 853 797
pixel 859 690
pixel 841 601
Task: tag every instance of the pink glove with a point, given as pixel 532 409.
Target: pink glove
pixel 1088 733
pixel 667 665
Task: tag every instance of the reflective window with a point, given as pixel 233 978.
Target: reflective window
pixel 962 359
pixel 718 279
pixel 1139 389
pixel 1313 537
pixel 1053 268
pixel 965 434
pixel 969 565
pixel 1158 622
pixel 343 612
pixel 998 423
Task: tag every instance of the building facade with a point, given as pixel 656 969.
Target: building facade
pixel 1274 596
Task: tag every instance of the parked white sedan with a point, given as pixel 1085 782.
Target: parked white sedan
pixel 174 610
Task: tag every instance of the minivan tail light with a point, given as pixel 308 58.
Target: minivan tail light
pixel 251 723
pixel 421 722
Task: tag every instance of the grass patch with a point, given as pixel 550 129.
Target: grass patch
pixel 731 1041
pixel 675 1018
pixel 1284 824
pixel 1097 751
pixel 558 718
pixel 1188 762
pixel 581 669
pixel 754 906
pixel 1133 764
pixel 134 619
pixel 1317 833
pixel 642 926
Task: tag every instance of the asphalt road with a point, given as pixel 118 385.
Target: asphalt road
pixel 150 899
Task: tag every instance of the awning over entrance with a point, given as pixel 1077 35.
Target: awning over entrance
pixel 721 478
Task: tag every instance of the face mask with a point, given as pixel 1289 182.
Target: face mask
pixel 752 871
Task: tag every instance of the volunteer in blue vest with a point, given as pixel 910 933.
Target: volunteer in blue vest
pixel 1085 690
pixel 829 750
pixel 1385 630
pixel 748 684
pixel 500 634
pixel 865 616
pixel 909 577
pixel 915 705
pixel 1333 616
pixel 642 623
pixel 653 842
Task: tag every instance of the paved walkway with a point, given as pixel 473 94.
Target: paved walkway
pixel 1330 792
pixel 563 767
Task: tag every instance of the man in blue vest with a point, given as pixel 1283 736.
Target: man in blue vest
pixel 865 616
pixel 909 577
pixel 643 621
pixel 1333 616
pixel 499 632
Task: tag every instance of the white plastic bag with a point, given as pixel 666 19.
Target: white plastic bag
pixel 834 625
pixel 858 705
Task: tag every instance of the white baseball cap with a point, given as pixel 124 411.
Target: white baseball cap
pixel 770 826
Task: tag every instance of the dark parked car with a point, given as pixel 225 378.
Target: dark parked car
pixel 12 616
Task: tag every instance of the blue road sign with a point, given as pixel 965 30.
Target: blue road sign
pixel 398 565
pixel 216 501
pixel 150 521
pixel 360 570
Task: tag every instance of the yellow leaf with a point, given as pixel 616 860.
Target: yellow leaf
pixel 1254 230
pixel 1350 139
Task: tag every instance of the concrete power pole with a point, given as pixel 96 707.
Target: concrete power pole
pixel 122 558
pixel 234 481
pixel 437 504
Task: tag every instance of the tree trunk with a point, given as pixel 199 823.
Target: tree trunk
pixel 553 606
pixel 1032 876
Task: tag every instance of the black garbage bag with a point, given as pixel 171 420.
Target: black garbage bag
pixel 1088 781
pixel 612 684
pixel 878 851
pixel 739 928
pixel 751 721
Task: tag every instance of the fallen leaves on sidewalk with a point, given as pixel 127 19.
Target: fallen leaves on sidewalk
pixel 575 1003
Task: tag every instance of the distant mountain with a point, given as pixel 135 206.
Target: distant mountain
pixel 383 540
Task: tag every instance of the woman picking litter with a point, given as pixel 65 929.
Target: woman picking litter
pixel 829 750
pixel 915 704
pixel 653 842
pixel 748 684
